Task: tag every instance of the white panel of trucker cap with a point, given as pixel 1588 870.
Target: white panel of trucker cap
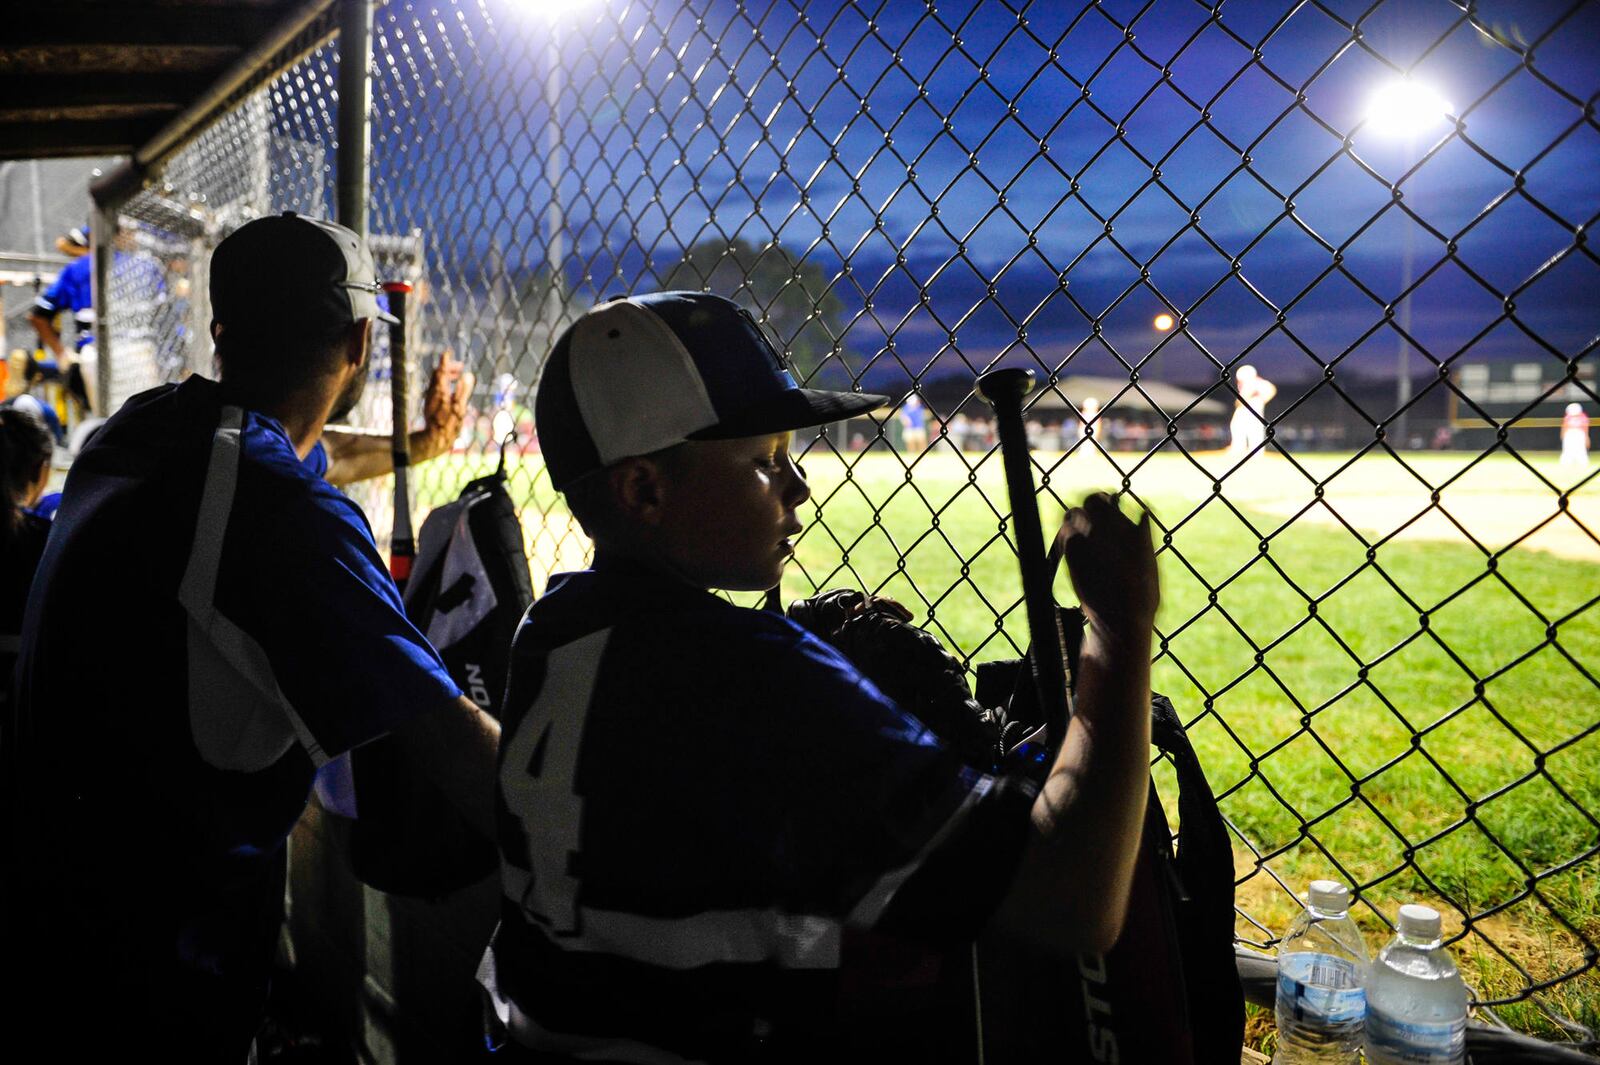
pixel 634 382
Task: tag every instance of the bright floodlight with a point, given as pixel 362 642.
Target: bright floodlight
pixel 1163 322
pixel 1405 107
pixel 555 9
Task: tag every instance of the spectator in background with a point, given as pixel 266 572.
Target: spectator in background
pixel 1575 437
pixel 959 429
pixel 914 424
pixel 1074 429
pixel 41 410
pixel 504 400
pixel 1090 412
pixel 25 448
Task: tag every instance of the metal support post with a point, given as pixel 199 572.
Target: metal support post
pixel 355 112
pixel 102 243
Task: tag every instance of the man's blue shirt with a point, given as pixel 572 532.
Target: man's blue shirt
pixel 317 461
pixel 209 623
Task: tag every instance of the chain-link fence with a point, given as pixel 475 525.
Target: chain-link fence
pixel 1331 343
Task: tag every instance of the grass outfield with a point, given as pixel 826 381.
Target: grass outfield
pixel 1306 656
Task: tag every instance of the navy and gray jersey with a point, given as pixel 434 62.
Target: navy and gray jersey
pixel 696 802
pixel 209 623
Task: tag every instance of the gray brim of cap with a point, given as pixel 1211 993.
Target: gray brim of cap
pixel 364 301
pixel 796 408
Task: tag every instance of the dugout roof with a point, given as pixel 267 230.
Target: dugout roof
pixel 116 77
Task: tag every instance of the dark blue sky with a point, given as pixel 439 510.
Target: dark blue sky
pixel 954 153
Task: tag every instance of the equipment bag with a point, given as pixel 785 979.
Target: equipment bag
pixel 470 586
pixel 468 590
pixel 1168 991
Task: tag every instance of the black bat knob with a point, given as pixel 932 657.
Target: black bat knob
pixel 1005 388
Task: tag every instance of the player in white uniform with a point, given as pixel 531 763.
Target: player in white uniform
pixel 1575 437
pixel 1248 429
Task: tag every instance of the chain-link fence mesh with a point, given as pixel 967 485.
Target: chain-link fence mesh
pixel 1380 581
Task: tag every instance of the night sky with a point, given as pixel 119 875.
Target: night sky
pixel 1024 230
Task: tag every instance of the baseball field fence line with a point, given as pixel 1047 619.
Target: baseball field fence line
pixel 1313 282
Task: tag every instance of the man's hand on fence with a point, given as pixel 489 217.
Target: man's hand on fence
pixel 444 409
pixel 1113 567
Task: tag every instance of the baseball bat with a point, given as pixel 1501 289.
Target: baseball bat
pixel 402 542
pixel 1004 390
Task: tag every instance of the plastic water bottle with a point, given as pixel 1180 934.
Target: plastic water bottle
pixel 1322 966
pixel 1416 1002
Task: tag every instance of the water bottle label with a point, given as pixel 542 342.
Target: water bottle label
pixel 1392 1041
pixel 1319 989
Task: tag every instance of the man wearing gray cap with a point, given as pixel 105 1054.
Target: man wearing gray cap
pixel 210 623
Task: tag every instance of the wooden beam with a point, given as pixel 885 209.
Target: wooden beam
pixel 41 140
pixel 87 112
pixel 91 61
pixel 66 23
pixel 26 92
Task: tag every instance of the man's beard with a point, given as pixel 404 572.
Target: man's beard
pixel 351 395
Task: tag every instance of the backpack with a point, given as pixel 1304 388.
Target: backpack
pixel 470 586
pixel 1169 990
pixel 468 590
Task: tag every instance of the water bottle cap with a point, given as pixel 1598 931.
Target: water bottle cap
pixel 1329 895
pixel 1419 922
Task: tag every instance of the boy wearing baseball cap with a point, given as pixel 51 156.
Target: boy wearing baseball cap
pixel 243 631
pixel 698 800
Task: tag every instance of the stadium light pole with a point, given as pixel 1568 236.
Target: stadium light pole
pixel 1405 108
pixel 552 14
pixel 554 164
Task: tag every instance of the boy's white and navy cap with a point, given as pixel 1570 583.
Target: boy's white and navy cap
pixel 641 373
pixel 288 272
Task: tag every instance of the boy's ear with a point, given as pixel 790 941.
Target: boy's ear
pixel 637 488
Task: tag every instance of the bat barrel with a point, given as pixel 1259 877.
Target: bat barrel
pixel 1004 391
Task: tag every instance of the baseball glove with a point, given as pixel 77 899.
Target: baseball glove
pixel 908 664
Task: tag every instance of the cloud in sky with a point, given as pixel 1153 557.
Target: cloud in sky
pixel 977 182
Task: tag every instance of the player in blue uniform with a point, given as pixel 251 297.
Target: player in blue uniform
pixel 242 630
pixel 697 800
pixel 72 292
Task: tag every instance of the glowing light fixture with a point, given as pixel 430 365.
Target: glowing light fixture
pixel 1406 107
pixel 1163 322
pixel 555 8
